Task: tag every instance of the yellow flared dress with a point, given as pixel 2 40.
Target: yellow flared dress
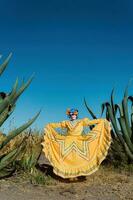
pixel 76 154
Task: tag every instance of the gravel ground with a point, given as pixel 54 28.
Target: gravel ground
pixel 105 184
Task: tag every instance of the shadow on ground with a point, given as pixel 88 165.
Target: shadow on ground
pixel 48 171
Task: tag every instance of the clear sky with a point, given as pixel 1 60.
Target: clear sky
pixel 76 49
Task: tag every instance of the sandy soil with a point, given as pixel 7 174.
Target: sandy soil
pixel 104 184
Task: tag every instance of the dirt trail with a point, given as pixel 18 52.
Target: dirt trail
pixel 105 184
pixel 102 184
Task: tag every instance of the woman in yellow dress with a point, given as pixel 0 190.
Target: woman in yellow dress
pixel 71 152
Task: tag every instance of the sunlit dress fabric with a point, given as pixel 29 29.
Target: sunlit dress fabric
pixel 72 151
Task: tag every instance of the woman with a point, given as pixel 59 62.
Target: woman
pixel 74 154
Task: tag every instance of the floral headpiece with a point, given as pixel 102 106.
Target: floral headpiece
pixel 71 111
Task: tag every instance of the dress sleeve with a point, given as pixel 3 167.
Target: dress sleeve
pixel 58 124
pixel 88 122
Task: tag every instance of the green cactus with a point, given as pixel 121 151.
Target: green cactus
pixel 7 106
pixel 122 125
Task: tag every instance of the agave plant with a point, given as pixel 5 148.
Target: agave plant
pixel 121 120
pixel 7 106
pixel 30 156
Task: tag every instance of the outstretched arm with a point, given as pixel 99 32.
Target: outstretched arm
pixel 88 122
pixel 57 124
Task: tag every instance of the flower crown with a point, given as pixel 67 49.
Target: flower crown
pixel 71 111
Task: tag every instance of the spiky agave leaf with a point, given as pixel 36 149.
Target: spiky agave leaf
pixel 118 107
pixel 125 133
pixel 125 112
pixel 107 115
pixel 11 156
pixel 5 114
pixel 9 98
pixel 20 91
pixel 22 88
pixel 5 63
pixel 92 114
pixel 126 89
pixel 123 128
pixel 112 102
pixel 103 107
pixel 17 131
pixel 89 110
pixel 12 99
pixel 132 124
pixel 113 120
pixel 130 98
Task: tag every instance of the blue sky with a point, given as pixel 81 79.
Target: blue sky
pixel 76 49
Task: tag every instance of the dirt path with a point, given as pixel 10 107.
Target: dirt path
pixel 104 184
